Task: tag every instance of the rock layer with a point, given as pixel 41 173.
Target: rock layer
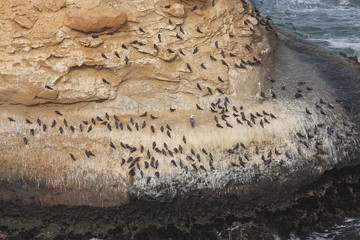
pixel 56 46
pixel 185 96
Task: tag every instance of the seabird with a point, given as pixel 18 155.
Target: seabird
pixel 192 121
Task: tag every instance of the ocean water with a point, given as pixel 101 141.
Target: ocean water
pixel 333 24
pixel 348 230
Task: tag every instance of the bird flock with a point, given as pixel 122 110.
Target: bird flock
pixel 145 161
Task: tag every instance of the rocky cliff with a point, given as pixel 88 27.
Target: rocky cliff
pixel 104 102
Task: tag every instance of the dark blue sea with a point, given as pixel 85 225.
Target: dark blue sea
pixel 333 24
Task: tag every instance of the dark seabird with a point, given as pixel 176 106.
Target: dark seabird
pixel 248 47
pixel 178 37
pixel 189 67
pixel 195 50
pixel 228 125
pixel 222 53
pixel 32 131
pixel 219 90
pixel 148 179
pixel 25 141
pixel 180 149
pixel 28 121
pixel 53 124
pixel 300 135
pixel 224 63
pixel 72 157
pixel 213 58
pixel 104 56
pixel 89 153
pixel 204 151
pixel 132 172
pixel 298 95
pixel 202 168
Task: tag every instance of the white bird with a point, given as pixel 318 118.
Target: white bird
pixel 192 121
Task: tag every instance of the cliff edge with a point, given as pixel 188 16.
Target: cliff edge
pixel 112 103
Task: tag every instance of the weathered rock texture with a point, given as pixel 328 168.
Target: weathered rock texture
pixel 98 99
pixel 141 49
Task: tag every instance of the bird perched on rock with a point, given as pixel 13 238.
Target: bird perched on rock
pixel 192 121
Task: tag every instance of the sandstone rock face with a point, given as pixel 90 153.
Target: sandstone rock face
pixel 55 45
pixel 95 20
pixel 102 101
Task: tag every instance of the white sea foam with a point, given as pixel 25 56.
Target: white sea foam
pixel 333 24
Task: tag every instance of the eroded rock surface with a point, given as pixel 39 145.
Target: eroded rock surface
pixel 105 101
pixel 70 46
